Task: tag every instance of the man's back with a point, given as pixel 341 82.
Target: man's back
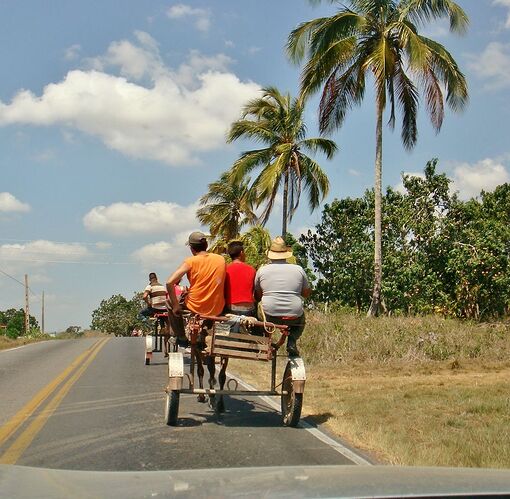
pixel 157 295
pixel 239 283
pixel 207 280
pixel 282 285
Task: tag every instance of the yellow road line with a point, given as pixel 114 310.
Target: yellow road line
pixel 9 428
pixel 13 453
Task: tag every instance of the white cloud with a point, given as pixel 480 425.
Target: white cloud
pixel 492 65
pixel 42 251
pixel 125 219
pixel 72 52
pixel 471 179
pixel 229 43
pixel 353 172
pixel 173 117
pixel 254 50
pixel 504 3
pixel 8 203
pixel 160 255
pixel 202 17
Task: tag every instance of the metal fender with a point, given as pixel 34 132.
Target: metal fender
pixel 149 343
pixel 175 370
pixel 297 369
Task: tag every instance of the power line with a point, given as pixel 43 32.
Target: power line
pixel 16 280
pixel 11 277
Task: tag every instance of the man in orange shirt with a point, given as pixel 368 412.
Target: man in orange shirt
pixel 206 275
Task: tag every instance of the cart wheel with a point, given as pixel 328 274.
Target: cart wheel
pixel 147 361
pixel 292 402
pixel 172 408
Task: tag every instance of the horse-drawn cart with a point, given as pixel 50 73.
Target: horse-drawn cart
pixel 227 337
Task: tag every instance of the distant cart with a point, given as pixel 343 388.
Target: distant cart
pixel 154 342
pixel 219 338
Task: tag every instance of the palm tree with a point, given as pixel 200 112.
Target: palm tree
pixel 380 37
pixel 227 207
pixel 276 121
pixel 256 241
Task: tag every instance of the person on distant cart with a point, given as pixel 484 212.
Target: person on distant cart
pixel 239 297
pixel 206 275
pixel 281 286
pixel 154 295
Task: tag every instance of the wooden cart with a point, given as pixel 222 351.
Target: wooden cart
pixel 232 337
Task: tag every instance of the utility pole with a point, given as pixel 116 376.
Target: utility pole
pixel 27 310
pixel 42 314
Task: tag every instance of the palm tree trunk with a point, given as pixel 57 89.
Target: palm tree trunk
pixel 285 202
pixel 377 301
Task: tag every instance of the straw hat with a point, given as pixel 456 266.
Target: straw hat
pixel 278 249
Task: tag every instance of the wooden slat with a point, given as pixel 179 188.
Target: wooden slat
pixel 240 355
pixel 240 336
pixel 240 344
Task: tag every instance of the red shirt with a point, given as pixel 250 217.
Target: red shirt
pixel 239 283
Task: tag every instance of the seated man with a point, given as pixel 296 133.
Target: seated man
pixel 281 286
pixel 239 282
pixel 154 295
pixel 206 275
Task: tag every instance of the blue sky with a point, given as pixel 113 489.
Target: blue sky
pixel 112 123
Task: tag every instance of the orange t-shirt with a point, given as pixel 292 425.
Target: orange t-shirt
pixel 207 281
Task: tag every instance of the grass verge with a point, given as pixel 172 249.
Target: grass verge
pixel 6 342
pixel 411 391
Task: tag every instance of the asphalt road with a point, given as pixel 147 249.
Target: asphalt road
pixel 92 404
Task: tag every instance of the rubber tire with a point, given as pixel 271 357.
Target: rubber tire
pixel 147 361
pixel 292 403
pixel 172 407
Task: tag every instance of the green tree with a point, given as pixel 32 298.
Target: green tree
pixel 14 320
pixel 276 120
pixel 227 207
pixel 380 38
pixel 478 262
pixel 340 250
pixel 117 315
pixel 256 243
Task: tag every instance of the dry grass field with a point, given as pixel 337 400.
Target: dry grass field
pixel 411 391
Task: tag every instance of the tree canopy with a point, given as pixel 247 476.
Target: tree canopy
pixel 443 255
pixel 117 315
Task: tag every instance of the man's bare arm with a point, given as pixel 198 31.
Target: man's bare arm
pixel 306 292
pixel 145 297
pixel 174 279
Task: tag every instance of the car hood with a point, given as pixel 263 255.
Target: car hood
pixel 285 481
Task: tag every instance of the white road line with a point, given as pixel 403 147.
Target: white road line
pixel 342 449
pixel 23 346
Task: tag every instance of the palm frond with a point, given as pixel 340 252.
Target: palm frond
pixel 315 181
pixel 248 161
pixel 407 97
pixel 446 69
pixel 320 144
pixel 424 11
